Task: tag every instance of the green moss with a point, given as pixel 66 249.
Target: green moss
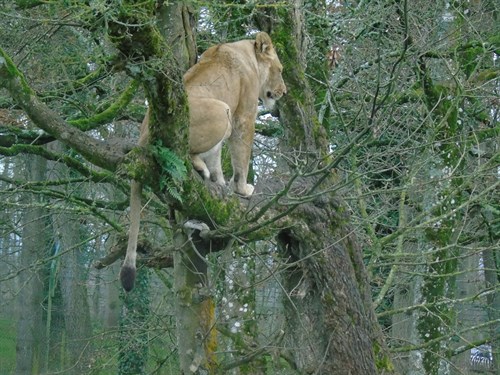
pixel 328 298
pixel 185 295
pixel 301 126
pixel 109 113
pixel 382 359
pixel 8 71
pixel 169 120
pixel 201 205
pixel 487 75
pixel 470 58
pixel 138 165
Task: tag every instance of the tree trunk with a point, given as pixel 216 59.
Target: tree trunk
pixel 331 325
pixel 491 266
pixel 404 325
pixel 194 307
pixel 8 256
pixel 73 284
pixel 470 282
pixel 31 341
pixel 78 330
pixel 134 345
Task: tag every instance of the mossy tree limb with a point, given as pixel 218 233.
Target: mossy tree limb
pixel 71 162
pixel 109 113
pixel 14 135
pixel 96 151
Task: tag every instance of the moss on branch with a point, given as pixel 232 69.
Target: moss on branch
pixel 11 135
pixel 109 113
pixel 12 79
pixel 98 152
pixel 71 162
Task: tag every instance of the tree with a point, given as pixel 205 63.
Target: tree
pixel 30 348
pixel 377 186
pixel 67 236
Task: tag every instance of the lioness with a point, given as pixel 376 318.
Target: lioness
pixel 223 91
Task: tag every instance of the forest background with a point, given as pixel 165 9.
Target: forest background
pixel 371 245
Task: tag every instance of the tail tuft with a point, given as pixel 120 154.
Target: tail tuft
pixel 127 277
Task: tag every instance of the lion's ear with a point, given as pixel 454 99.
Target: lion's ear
pixel 263 43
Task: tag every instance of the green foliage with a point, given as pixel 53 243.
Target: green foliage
pixel 382 359
pixel 173 171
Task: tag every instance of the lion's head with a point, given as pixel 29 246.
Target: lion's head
pixel 272 86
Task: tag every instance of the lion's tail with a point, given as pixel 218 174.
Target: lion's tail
pixel 128 271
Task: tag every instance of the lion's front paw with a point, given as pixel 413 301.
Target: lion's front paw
pixel 247 190
pixel 242 189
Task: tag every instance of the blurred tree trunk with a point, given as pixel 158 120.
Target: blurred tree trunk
pixel 404 325
pixel 134 345
pixel 469 282
pixel 31 340
pixel 73 285
pixel 194 307
pixel 8 244
pixel 492 276
pixel 109 290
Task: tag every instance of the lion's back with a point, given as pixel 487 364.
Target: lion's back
pixel 221 70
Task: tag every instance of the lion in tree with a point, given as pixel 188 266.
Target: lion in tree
pixel 223 90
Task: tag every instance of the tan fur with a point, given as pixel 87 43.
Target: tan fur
pixel 223 90
pixel 237 74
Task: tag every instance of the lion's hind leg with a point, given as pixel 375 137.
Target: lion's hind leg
pixel 208 164
pixel 212 159
pixel 210 126
pixel 200 166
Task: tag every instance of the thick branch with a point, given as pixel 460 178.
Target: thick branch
pixel 98 152
pixel 13 135
pixel 109 113
pixel 67 160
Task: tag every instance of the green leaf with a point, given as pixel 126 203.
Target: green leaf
pixel 174 171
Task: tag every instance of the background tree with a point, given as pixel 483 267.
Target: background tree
pixel 420 181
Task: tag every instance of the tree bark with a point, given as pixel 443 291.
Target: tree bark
pixel 491 266
pixel 331 325
pixel 78 329
pixel 404 325
pixel 470 282
pixel 31 341
pixel 194 306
